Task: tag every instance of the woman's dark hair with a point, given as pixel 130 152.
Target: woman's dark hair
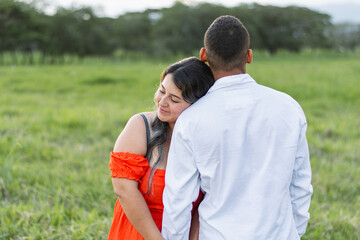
pixel 194 78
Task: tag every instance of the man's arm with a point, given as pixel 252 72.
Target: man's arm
pixel 181 186
pixel 301 188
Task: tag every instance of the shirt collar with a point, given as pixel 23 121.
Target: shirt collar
pixel 231 80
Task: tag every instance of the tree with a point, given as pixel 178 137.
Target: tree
pixel 19 28
pixel 181 28
pixel 133 32
pixel 174 31
pixel 290 28
pixel 77 32
pixel 346 36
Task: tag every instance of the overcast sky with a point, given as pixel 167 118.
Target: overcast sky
pixel 340 10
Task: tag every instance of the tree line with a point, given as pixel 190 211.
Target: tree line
pixel 164 32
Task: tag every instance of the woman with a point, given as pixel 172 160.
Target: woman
pixel 139 158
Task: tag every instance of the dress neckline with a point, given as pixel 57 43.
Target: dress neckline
pixel 159 169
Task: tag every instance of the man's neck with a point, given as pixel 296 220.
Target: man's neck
pixel 220 73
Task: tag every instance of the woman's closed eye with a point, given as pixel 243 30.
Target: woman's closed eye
pixel 174 101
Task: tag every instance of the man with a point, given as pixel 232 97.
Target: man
pixel 244 145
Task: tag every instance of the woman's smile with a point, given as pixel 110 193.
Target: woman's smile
pixel 161 110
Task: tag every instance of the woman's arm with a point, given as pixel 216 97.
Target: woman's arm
pixel 133 139
pixel 195 224
pixel 135 208
pixel 194 228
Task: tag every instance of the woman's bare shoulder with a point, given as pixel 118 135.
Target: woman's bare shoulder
pixel 149 115
pixel 133 137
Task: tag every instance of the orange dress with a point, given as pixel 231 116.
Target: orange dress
pixel 136 167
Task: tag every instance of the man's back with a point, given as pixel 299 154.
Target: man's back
pixel 248 145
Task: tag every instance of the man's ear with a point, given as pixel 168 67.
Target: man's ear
pixel 203 55
pixel 249 56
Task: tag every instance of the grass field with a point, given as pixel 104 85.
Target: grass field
pixel 59 123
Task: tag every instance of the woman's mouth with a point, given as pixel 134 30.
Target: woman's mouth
pixel 162 110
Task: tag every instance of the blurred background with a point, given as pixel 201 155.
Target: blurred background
pixel 49 32
pixel 73 72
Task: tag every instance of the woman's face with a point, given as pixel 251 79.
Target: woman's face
pixel 169 101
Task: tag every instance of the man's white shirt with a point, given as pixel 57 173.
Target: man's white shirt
pixel 244 145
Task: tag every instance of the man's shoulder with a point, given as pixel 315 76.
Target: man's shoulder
pixel 285 101
pixel 193 114
pixel 277 95
pixel 200 105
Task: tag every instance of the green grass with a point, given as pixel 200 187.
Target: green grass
pixel 59 123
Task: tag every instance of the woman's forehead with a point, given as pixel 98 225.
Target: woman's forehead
pixel 170 86
pixel 168 81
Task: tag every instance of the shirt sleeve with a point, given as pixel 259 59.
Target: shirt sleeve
pixel 300 187
pixel 127 165
pixel 182 186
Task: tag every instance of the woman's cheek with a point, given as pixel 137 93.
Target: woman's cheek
pixel 157 98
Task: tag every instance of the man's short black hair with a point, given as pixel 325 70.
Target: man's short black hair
pixel 226 42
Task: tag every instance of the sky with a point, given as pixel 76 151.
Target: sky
pixel 340 10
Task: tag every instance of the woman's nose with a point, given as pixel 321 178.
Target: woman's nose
pixel 163 101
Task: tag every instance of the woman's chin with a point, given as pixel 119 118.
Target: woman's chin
pixel 160 117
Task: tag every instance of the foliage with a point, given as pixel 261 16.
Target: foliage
pixel 20 28
pixel 77 31
pixel 291 28
pixel 173 31
pixel 59 123
pixel 345 36
pixel 133 32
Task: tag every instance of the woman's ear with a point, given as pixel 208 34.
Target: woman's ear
pixel 203 55
pixel 249 56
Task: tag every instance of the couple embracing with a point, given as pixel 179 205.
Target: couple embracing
pixel 222 157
